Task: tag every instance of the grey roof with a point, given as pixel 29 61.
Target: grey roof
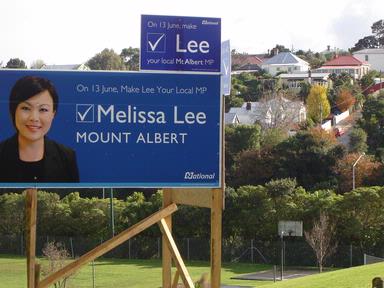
pixel 230 118
pixel 370 51
pixel 284 58
pixel 258 110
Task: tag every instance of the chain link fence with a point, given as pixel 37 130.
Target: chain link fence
pixel 296 252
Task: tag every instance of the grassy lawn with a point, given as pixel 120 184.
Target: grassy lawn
pixel 147 273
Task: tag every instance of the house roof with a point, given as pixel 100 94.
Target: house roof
pixel 64 67
pixel 230 118
pixel 347 60
pixel 245 59
pixel 257 111
pixel 285 58
pixel 370 51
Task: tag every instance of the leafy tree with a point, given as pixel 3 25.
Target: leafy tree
pixel 318 104
pixel 367 171
pixel 309 157
pixel 372 122
pixel 378 29
pixel 252 167
pixel 237 139
pixel 368 79
pixel 362 218
pixel 106 60
pixel 271 137
pixel 16 63
pixel 232 101
pixel 251 203
pixel 367 42
pixel 37 64
pixel 12 214
pixel 131 58
pixel 358 141
pixel 345 100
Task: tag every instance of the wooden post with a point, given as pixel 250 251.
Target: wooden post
pixel 166 253
pixel 31 215
pixel 176 255
pixel 216 216
pixel 107 246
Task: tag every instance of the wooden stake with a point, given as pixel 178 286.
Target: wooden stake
pixel 166 253
pixel 216 233
pixel 107 246
pixel 31 215
pixel 176 255
pixel 176 279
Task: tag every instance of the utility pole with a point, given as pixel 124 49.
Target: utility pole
pixel 353 170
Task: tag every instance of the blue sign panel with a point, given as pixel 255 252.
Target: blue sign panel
pixel 226 68
pixel 180 43
pixel 109 129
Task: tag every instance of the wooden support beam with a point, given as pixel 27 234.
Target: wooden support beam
pixel 176 279
pixel 176 255
pixel 31 215
pixel 200 197
pixel 107 246
pixel 216 233
pixel 167 257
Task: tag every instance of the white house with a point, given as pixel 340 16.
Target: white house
pixel 345 64
pixel 285 62
pixel 277 112
pixel 375 57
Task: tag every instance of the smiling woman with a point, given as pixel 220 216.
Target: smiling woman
pixel 29 156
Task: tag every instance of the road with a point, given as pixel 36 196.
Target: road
pixel 346 125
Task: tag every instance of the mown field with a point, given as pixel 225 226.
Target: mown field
pixel 147 273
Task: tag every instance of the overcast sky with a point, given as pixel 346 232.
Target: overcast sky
pixel 72 31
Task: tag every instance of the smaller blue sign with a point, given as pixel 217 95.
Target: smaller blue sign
pixel 177 43
pixel 226 68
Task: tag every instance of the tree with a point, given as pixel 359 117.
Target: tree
pixel 237 139
pixel 106 60
pixel 372 122
pixel 37 64
pixel 309 157
pixel 57 257
pixel 320 238
pixel 131 58
pixel 367 171
pixel 367 42
pixel 16 63
pixel 378 29
pixel 318 104
pixel 345 100
pixel 358 141
pixel 361 217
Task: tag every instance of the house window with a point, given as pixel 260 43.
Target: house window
pixel 366 57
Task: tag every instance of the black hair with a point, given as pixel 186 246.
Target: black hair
pixel 27 87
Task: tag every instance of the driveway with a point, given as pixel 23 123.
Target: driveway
pixel 346 125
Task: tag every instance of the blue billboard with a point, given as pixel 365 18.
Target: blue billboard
pixel 109 129
pixel 180 43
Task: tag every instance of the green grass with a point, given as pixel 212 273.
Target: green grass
pixel 147 273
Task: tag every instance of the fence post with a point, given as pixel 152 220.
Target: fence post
pixel 252 251
pixel 72 251
pixel 129 249
pixel 188 249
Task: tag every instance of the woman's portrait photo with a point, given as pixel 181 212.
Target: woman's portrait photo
pixel 29 156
